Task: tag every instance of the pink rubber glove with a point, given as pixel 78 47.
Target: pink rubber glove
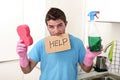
pixel 88 60
pixel 21 50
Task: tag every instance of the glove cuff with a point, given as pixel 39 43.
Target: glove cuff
pixel 88 61
pixel 24 61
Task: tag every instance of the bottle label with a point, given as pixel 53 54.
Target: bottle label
pixel 94 43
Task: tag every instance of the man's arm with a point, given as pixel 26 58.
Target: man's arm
pixel 29 67
pixel 85 68
pixel 26 64
pixel 88 60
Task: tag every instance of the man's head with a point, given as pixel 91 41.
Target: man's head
pixel 56 21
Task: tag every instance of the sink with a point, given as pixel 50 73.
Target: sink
pixel 106 76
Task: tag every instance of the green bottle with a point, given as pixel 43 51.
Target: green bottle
pixel 94 43
pixel 94 38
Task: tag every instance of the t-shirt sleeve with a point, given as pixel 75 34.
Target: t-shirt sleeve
pixel 35 52
pixel 81 53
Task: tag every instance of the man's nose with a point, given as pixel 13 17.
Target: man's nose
pixel 56 30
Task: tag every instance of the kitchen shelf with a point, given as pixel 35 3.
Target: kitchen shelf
pixel 108 21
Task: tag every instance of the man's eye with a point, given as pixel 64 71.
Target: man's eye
pixel 60 25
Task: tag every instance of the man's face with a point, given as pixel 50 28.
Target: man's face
pixel 56 27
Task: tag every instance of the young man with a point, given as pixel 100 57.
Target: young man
pixel 58 65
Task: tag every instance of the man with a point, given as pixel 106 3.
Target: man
pixel 58 65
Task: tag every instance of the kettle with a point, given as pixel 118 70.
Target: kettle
pixel 101 64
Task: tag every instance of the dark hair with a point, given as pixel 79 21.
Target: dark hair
pixel 54 14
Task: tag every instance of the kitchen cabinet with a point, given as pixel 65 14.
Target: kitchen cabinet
pixel 14 13
pixel 109 11
pixel 14 71
pixel 34 75
pixel 11 14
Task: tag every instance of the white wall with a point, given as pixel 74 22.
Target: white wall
pixel 74 13
pixel 109 32
pixel 14 13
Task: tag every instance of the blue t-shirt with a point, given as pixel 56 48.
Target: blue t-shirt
pixel 59 65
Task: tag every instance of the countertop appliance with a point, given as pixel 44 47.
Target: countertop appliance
pixel 100 64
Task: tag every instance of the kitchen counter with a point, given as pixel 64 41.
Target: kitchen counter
pixel 94 73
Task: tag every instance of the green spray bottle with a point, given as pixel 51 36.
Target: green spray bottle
pixel 94 38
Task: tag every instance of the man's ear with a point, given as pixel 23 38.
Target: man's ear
pixel 66 23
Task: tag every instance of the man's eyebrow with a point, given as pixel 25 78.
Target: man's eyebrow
pixel 59 23
pixel 50 25
pixel 54 25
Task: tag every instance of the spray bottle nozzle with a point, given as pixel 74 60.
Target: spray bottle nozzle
pixel 92 14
